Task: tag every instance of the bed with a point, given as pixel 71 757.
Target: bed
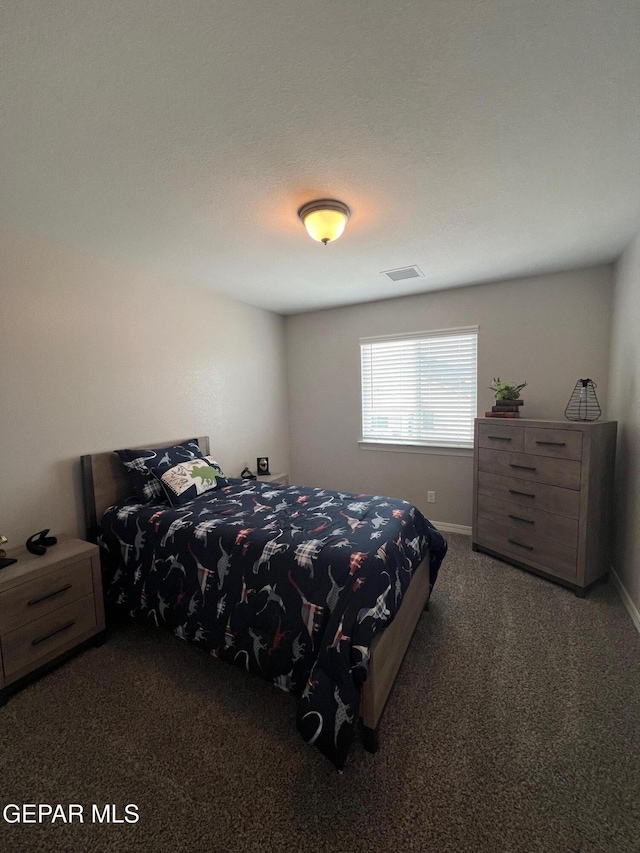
pixel 319 591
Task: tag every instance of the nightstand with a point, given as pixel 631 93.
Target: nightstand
pixel 281 479
pixel 49 605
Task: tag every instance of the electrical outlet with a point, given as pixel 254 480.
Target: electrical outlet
pixel 431 497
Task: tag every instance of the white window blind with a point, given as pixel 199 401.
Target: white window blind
pixel 420 388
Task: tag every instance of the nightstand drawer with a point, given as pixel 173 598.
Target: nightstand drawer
pixel 44 594
pixel 557 443
pixel 48 636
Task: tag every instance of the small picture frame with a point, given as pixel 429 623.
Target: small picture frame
pixel 262 466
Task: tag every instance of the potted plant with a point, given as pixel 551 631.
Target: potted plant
pixel 506 390
pixel 508 400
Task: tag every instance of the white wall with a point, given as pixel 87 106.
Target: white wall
pixel 548 331
pixel 94 357
pixel 624 381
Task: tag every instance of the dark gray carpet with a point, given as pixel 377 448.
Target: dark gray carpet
pixel 514 727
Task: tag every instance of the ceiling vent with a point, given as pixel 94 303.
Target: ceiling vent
pixel 404 272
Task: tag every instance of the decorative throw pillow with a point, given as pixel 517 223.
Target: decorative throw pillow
pixel 140 464
pixel 189 480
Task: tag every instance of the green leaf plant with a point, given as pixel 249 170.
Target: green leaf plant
pixel 506 390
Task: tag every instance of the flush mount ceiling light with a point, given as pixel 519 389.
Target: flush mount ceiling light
pixel 324 219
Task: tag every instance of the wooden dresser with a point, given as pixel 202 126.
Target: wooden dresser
pixel 543 494
pixel 49 605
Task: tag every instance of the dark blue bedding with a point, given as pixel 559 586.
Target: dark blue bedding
pixel 291 583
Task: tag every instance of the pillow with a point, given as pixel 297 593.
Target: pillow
pixel 189 480
pixel 139 463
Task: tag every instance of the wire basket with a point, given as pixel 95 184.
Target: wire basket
pixel 583 404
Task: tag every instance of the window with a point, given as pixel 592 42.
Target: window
pixel 420 388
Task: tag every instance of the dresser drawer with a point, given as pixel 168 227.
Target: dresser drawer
pixel 44 594
pixel 538 469
pixel 48 636
pixel 500 437
pixel 527 494
pixel 560 560
pixel 532 522
pixel 556 443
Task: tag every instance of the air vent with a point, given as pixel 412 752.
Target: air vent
pixel 404 272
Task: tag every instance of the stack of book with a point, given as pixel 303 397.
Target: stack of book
pixel 505 409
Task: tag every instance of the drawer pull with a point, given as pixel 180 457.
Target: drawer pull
pixel 499 437
pixel 59 630
pixel 520 544
pixel 518 518
pixel 553 443
pixel 524 467
pixel 524 494
pixel 49 595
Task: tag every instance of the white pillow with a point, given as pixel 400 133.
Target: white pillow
pixel 188 480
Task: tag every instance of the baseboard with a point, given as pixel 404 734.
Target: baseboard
pixel 452 528
pixel 626 599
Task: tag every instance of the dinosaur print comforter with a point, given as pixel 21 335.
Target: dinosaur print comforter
pixel 291 583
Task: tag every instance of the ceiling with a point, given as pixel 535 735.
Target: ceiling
pixel 478 139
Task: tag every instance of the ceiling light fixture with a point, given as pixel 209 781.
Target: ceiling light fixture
pixel 324 219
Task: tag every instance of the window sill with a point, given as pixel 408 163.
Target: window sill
pixel 366 444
